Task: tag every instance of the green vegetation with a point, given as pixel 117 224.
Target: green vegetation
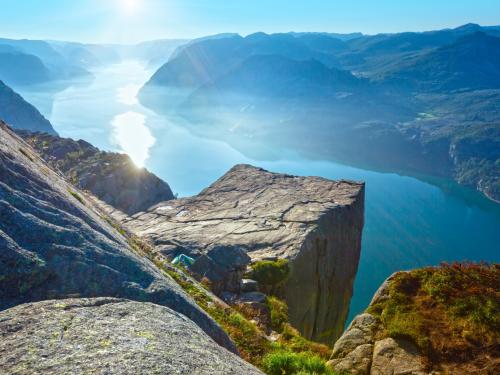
pixel 77 196
pixel 445 310
pixel 270 273
pixel 286 362
pixel 279 313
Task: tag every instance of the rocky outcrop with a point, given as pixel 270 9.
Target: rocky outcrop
pixel 108 336
pixel 21 114
pixel 314 223
pixel 111 177
pixel 428 321
pixel 55 244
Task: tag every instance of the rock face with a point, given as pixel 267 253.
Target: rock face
pixel 55 244
pixel 314 223
pixel 108 336
pixel 20 114
pixel 408 330
pixel 111 177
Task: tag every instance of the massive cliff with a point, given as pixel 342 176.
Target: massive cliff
pixel 55 244
pixel 111 177
pixel 108 336
pixel 20 114
pixel 437 320
pixel 313 223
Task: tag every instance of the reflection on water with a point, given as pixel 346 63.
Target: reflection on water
pixel 132 136
pixel 128 94
pixel 409 223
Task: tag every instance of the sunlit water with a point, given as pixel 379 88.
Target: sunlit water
pixel 409 223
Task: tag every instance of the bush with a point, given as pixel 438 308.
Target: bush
pixel 270 273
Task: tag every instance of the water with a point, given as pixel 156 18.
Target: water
pixel 409 223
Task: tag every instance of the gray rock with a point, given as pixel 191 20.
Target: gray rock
pixel 356 362
pixel 223 266
pixel 396 357
pixel 55 244
pixel 111 177
pixel 359 332
pixel 108 336
pixel 257 297
pixel 248 285
pixel 314 223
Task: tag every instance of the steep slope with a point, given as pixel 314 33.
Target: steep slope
pixel 111 177
pixel 55 244
pixel 111 336
pixel 472 62
pixel 20 114
pixel 311 223
pixel 432 320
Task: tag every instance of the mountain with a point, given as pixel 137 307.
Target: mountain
pixel 111 177
pixel 431 320
pixel 470 63
pixel 36 61
pixel 20 114
pixel 18 68
pixel 387 101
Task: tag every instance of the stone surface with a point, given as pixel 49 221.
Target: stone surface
pixel 356 362
pixel 248 285
pixel 359 332
pixel 111 177
pixel 108 336
pixel 396 357
pixel 55 244
pixel 314 223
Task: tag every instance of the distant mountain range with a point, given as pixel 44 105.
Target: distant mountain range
pixel 423 102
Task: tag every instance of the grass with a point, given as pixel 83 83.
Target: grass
pixel 77 196
pixel 270 273
pixel 279 313
pixel 451 312
pixel 287 362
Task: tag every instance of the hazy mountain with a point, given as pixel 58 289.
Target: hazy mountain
pixel 17 68
pixel 472 62
pixel 42 57
pixel 18 113
pixel 297 91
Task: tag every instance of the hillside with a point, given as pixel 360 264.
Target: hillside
pixel 20 114
pixel 432 320
pixel 111 177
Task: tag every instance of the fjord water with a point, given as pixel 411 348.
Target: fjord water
pixel 410 222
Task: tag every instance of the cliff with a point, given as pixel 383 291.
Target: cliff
pixel 56 244
pixel 439 320
pixel 21 114
pixel 111 177
pixel 108 336
pixel 312 223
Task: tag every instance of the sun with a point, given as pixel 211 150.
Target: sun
pixel 131 6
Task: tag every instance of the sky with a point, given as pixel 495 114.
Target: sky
pixel 127 21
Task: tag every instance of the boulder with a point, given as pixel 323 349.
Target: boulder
pixel 397 357
pixel 356 362
pixel 55 244
pixel 223 266
pixel 248 285
pixel 108 336
pixel 314 223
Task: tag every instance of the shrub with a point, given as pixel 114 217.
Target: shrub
pixel 270 273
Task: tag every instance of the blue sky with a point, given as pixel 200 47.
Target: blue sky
pixel 137 20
